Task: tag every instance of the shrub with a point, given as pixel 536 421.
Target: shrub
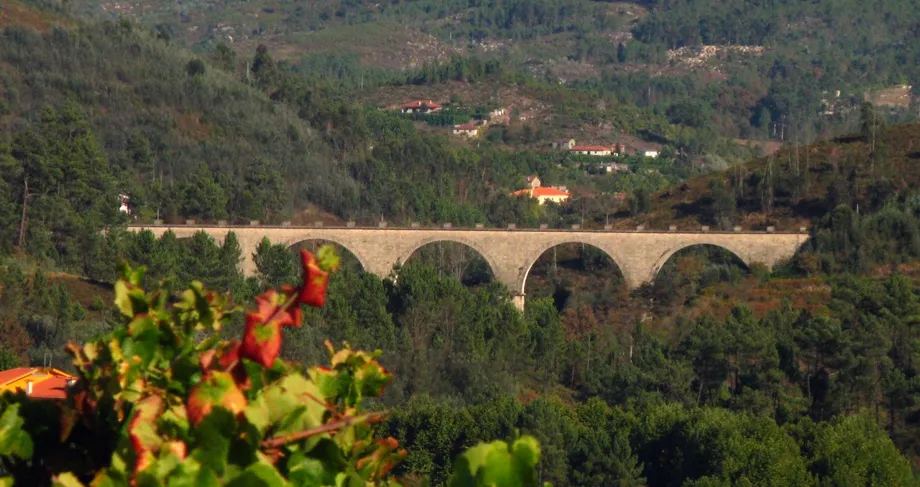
pixel 164 398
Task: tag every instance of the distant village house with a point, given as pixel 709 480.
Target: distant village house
pixel 467 130
pixel 542 194
pixel 565 144
pixel 421 106
pixel 650 153
pixel 124 201
pixel 615 167
pixel 592 150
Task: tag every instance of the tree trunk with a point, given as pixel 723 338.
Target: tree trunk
pixel 25 205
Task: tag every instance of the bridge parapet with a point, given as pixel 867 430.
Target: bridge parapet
pixel 543 227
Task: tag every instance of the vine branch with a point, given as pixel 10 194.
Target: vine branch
pixel 326 428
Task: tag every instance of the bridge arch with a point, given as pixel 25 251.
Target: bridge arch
pixel 532 259
pixel 353 249
pixel 491 262
pixel 740 254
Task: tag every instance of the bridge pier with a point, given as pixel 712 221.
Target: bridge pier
pixel 518 300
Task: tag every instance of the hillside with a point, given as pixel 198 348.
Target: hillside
pixel 159 116
pixel 752 70
pixel 797 185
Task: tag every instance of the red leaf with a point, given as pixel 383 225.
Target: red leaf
pixel 297 314
pixel 315 281
pixel 177 448
pixel 261 341
pixel 142 430
pixel 228 360
pixel 230 355
pixel 216 389
pixel 270 309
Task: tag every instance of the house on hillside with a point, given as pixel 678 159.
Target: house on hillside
pixel 420 106
pixel 37 382
pixel 467 130
pixel 498 115
pixel 124 203
pixel 650 153
pixel 544 194
pixel 592 150
pixel 615 167
pixel 565 144
pixel 535 190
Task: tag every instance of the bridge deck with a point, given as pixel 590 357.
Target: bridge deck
pixel 467 229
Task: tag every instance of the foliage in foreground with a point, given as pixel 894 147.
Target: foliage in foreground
pixel 164 400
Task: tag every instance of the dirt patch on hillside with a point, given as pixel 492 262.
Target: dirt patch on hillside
pixel 314 214
pixel 768 147
pixel 377 45
pixel 712 57
pixel 512 97
pixel 14 13
pixel 893 97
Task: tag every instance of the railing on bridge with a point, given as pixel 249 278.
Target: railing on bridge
pixel 478 226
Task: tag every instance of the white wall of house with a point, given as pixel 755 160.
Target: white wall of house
pixel 555 199
pixel 594 153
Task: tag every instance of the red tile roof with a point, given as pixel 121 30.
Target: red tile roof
pixel 422 103
pixel 54 388
pixel 46 383
pixel 590 148
pixel 542 191
pixel 537 192
pixel 13 374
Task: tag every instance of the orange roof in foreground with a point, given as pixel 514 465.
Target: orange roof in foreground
pixel 47 383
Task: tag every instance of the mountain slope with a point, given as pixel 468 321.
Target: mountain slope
pixel 797 185
pixel 164 117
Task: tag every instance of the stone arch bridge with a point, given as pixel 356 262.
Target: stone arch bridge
pixel 510 253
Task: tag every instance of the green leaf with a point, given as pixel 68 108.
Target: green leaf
pixel 259 475
pixel 526 452
pixel 123 300
pixel 67 479
pixel 319 467
pixel 492 464
pixel 292 401
pixel 212 440
pixel 6 481
pixel 14 441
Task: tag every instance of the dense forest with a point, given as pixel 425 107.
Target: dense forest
pixel 792 396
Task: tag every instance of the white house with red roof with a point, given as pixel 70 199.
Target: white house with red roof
pixel 592 150
pixel 542 194
pixel 420 106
